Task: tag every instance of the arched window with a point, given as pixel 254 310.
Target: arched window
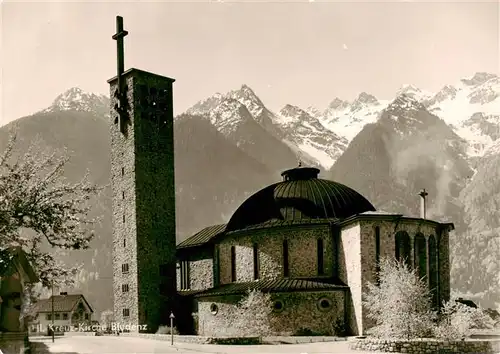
pixel 286 271
pixel 433 269
pixel 321 268
pixel 233 264
pixel 403 247
pixel 255 261
pixel 420 255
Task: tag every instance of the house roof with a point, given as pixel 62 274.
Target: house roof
pixel 62 303
pixel 203 236
pixel 12 254
pixel 275 286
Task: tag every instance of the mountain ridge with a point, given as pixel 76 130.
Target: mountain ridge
pixel 388 152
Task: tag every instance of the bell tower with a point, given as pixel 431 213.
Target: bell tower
pixel 143 195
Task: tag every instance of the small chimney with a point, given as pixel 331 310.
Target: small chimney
pixel 423 203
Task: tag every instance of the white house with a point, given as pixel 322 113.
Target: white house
pixel 71 313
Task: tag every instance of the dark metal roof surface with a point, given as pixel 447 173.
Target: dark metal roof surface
pixel 285 223
pixel 275 285
pixel 299 200
pixel 203 236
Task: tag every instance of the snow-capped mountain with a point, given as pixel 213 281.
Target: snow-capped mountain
pixel 472 108
pixel 348 118
pixel 78 100
pixel 310 136
pixel 240 115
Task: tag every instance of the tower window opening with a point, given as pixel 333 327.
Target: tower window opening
pixel 123 171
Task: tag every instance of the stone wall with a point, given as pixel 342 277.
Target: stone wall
pixel 124 227
pixel 201 274
pixel 350 273
pixel 300 311
pixel 201 268
pixel 444 267
pixel 424 346
pixel 302 259
pixel 142 175
pixel 357 259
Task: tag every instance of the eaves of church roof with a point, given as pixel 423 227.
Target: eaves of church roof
pixel 281 285
pixel 203 236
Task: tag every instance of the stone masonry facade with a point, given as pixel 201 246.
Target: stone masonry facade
pixel 301 311
pixel 350 253
pixel 387 248
pixel 142 176
pixel 302 250
pixel 201 269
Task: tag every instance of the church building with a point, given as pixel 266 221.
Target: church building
pixel 313 244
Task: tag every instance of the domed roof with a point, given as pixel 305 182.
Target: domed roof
pixel 301 195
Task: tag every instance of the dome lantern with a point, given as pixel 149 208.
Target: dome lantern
pixel 300 173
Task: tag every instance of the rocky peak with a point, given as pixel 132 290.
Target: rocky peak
pixel 447 92
pixel 405 102
pixel 364 99
pixel 479 78
pixel 206 105
pixel 75 99
pixel 367 98
pixel 290 110
pixel 337 103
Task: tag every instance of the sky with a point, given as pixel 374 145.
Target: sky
pixel 303 53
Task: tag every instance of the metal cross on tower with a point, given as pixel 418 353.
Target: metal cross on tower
pixel 120 92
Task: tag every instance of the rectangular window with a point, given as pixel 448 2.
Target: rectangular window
pixel 123 171
pixel 65 316
pixel 123 194
pixel 185 275
pixel 87 316
pixel 233 264
pixel 286 271
pixel 49 317
pixel 124 288
pixel 124 218
pixel 255 261
pixel 321 269
pixel 126 312
pixel 58 316
pixel 124 242
pixel 125 268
